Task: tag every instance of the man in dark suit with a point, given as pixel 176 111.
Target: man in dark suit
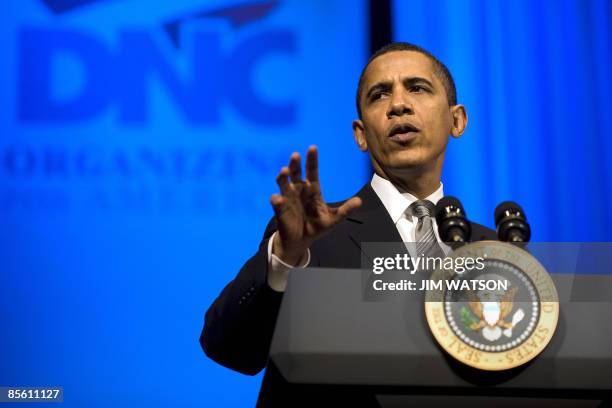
pixel 406 102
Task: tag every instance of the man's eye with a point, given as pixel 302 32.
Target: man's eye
pixel 377 95
pixel 417 88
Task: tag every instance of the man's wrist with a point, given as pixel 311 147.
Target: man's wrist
pixel 294 256
pixel 278 270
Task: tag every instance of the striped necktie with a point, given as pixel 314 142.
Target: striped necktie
pixel 426 241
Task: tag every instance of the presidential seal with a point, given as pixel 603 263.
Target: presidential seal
pixel 494 327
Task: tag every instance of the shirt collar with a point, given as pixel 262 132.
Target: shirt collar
pixel 396 202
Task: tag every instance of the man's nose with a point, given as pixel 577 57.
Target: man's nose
pixel 400 105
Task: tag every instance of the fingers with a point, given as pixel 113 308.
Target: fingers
pixel 312 164
pixel 292 174
pixel 348 207
pixel 278 203
pixel 312 200
pixel 311 190
pixel 295 168
pixel 283 181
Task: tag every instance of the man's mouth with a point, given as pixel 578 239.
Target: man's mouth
pixel 403 132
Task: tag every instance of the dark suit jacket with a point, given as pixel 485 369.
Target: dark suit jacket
pixel 240 323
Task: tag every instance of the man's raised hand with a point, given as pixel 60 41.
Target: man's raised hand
pixel 301 213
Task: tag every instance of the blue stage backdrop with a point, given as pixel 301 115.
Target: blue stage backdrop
pixel 140 141
pixel 535 78
pixel 140 144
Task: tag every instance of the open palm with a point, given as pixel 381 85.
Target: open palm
pixel 301 213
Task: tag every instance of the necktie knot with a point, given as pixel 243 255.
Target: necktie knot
pixel 425 238
pixel 421 208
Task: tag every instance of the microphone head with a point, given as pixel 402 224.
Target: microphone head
pixel 449 205
pixel 453 226
pixel 507 208
pixel 511 222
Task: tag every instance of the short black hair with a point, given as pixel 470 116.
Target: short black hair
pixel 440 70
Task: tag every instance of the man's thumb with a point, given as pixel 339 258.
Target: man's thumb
pixel 349 206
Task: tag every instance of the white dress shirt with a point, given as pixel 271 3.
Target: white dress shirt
pixel 396 203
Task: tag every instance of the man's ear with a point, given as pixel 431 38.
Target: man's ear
pixel 359 135
pixel 460 120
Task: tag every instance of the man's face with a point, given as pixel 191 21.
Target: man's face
pixel 406 118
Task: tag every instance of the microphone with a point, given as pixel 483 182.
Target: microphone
pixel 451 218
pixel 511 223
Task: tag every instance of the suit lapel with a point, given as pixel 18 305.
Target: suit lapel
pixel 371 222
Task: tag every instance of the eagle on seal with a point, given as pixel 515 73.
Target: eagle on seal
pixel 491 309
